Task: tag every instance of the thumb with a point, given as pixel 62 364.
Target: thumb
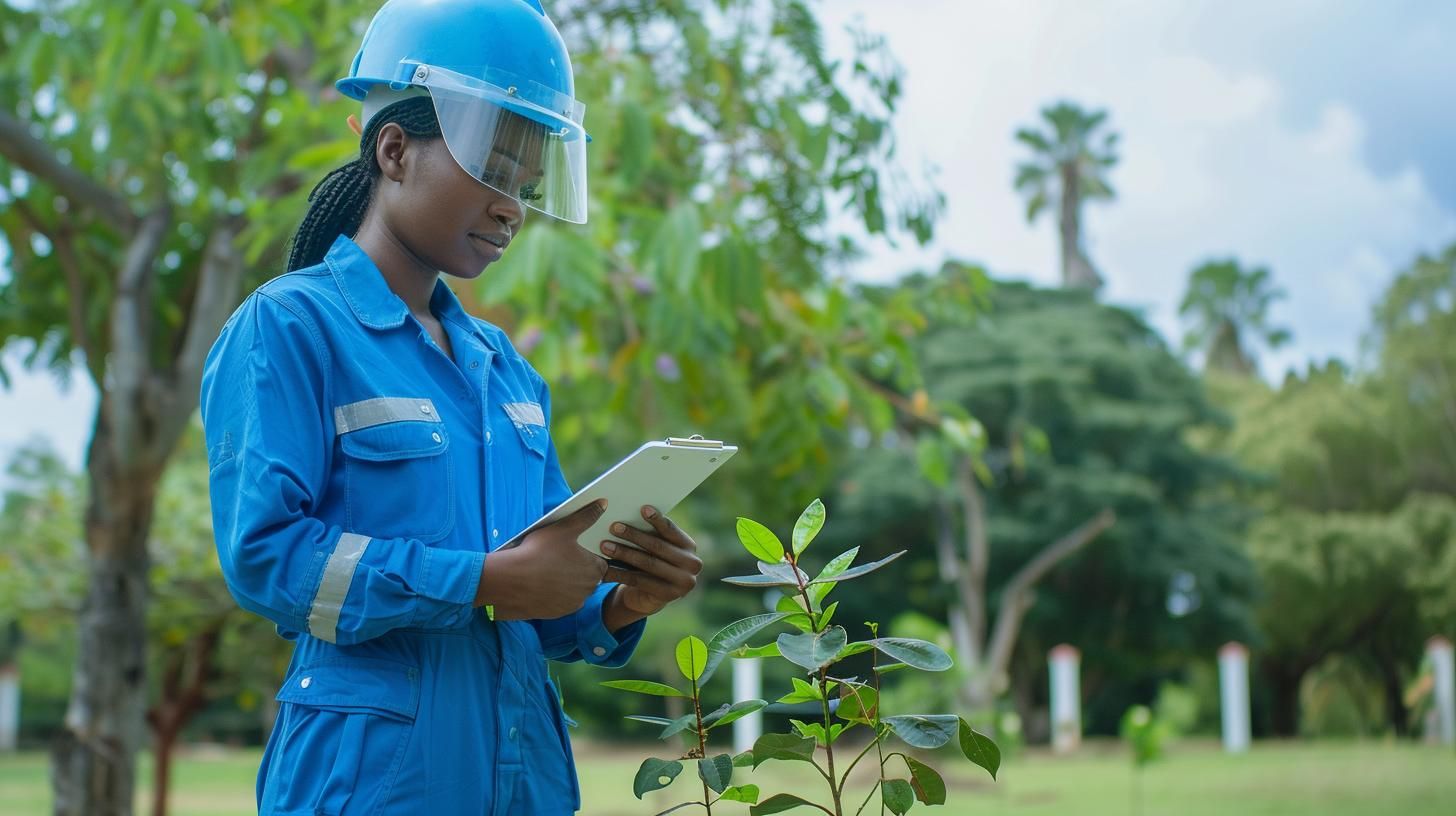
pixel 582 520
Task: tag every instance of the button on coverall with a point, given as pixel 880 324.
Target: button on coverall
pixel 359 479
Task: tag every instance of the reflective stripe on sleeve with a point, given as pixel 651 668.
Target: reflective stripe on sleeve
pixel 323 617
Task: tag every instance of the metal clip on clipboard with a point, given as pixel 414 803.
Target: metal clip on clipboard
pixel 694 441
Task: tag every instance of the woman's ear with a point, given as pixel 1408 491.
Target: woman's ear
pixel 389 150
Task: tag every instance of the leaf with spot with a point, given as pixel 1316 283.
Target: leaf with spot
pixel 655 774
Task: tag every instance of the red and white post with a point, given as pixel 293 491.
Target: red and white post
pixel 1066 697
pixel 1233 685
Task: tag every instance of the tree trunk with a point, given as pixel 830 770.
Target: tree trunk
pixel 1077 271
pixel 1284 688
pixel 93 768
pixel 1396 712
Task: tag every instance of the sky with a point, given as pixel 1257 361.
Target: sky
pixel 1310 137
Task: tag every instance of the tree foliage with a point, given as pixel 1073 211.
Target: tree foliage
pixel 1227 309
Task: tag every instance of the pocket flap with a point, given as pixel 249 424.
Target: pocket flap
pixel 396 440
pixel 357 684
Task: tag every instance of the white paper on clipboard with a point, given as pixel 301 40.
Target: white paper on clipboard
pixel 660 474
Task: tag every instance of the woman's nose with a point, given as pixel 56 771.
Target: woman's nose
pixel 507 211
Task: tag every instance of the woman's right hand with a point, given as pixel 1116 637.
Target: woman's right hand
pixel 549 575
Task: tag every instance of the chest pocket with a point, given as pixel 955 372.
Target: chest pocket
pixel 397 477
pixel 530 423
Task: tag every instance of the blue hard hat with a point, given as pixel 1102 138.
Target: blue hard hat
pixel 475 38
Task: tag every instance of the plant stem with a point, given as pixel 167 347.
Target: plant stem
pixel 702 745
pixel 828 742
pixel 873 788
pixel 844 781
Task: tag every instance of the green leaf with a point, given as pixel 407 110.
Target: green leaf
pixel 692 657
pixel 787 747
pixel 680 724
pixel 810 522
pixel 649 720
pixel 920 654
pixel 858 647
pixel 821 585
pixel 743 760
pixel 760 541
pixel 655 774
pixel 803 692
pixel 924 730
pixel 858 703
pixel 716 771
pixel 898 795
pixel 740 793
pixel 813 650
pixel 644 687
pixel 928 784
pixel 793 606
pixel 778 803
pixel 862 569
pixel 979 748
pixel 813 731
pixel 737 711
pixel 734 636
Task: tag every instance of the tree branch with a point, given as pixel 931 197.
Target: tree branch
pixel 218 283
pixel 1016 597
pixel 34 156
pixel 131 328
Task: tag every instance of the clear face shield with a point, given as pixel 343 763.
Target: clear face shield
pixel 516 137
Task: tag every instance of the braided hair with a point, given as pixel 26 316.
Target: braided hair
pixel 338 202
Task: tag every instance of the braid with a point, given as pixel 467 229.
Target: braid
pixel 338 202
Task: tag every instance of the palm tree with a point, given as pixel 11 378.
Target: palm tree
pixel 1068 168
pixel 1227 309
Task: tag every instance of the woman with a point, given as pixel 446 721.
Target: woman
pixel 370 445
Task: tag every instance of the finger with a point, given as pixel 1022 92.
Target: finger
pixel 668 529
pixel 582 520
pixel 680 581
pixel 650 585
pixel 659 548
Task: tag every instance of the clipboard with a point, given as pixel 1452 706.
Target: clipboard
pixel 660 473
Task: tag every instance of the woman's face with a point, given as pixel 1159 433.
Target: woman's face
pixel 445 218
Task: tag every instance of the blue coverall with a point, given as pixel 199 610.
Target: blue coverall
pixel 359 479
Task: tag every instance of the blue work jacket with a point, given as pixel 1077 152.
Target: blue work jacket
pixel 360 478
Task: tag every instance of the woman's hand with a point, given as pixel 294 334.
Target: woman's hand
pixel 549 575
pixel 666 568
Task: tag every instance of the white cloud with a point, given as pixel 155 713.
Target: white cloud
pixel 1212 165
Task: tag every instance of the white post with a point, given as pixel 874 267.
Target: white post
pixel 1233 684
pixel 747 685
pixel 1443 665
pixel 9 706
pixel 1066 698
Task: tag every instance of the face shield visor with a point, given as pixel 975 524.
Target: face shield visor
pixel 516 137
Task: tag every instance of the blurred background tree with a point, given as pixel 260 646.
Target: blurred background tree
pixel 1069 165
pixel 1228 309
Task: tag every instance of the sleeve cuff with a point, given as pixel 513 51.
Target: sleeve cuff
pixel 452 576
pixel 594 643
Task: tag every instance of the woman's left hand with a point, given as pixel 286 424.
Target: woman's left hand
pixel 666 564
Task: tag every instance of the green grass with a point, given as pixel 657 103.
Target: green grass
pixel 1348 779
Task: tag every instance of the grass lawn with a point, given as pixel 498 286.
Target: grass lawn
pixel 1347 779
